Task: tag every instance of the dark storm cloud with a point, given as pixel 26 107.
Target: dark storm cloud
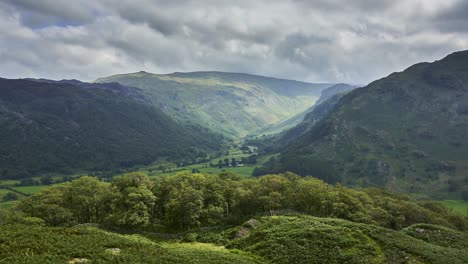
pixel 153 16
pixel 454 19
pixel 321 40
pixel 36 13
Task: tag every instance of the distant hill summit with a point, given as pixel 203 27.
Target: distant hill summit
pixel 407 131
pixel 64 126
pixel 235 104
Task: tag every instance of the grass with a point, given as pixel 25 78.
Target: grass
pixel 457 205
pixel 31 189
pixel 245 171
pixel 204 167
pixel 6 205
pixel 36 244
pixel 305 239
pixel 3 192
pixel 8 182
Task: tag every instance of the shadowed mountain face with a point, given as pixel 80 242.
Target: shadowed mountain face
pixel 50 126
pixel 407 131
pixel 231 103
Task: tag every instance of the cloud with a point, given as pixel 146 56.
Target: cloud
pixel 62 12
pixel 336 41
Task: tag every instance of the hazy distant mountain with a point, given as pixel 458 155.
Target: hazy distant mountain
pixel 232 103
pixel 407 131
pixel 340 88
pixel 324 105
pixel 50 126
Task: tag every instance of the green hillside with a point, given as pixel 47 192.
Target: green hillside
pixel 38 244
pixel 231 103
pixel 406 132
pixel 66 126
pixel 196 218
pixel 305 239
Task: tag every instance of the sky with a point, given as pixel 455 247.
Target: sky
pixel 317 40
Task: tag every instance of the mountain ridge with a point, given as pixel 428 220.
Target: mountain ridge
pixel 405 132
pixel 50 126
pixel 236 104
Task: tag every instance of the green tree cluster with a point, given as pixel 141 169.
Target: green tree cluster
pixel 191 200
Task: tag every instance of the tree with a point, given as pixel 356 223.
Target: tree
pixel 252 159
pixel 220 164
pixel 243 160
pixel 465 193
pixel 226 162
pixel 233 162
pixel 86 199
pixel 133 201
pixel 46 180
pixel 184 206
pixel 10 196
pixel 49 206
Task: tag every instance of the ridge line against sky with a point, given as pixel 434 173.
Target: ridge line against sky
pixel 315 41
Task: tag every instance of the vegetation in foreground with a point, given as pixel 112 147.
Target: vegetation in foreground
pixel 305 239
pixel 39 244
pixel 273 239
pixel 196 218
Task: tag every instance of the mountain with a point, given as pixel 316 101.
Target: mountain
pixel 321 107
pixel 331 91
pixel 50 126
pixel 234 104
pixel 406 132
pixel 324 105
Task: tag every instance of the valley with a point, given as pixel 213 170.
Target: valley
pixel 213 167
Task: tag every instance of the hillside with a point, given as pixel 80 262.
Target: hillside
pixel 231 103
pixel 278 239
pixel 406 132
pixel 37 244
pixel 196 218
pixel 327 100
pixel 305 239
pixel 65 126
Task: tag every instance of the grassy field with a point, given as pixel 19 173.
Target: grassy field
pixel 8 182
pixel 31 189
pixel 3 192
pixel 22 189
pixel 6 205
pixel 154 170
pixel 457 205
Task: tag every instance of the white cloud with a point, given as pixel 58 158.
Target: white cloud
pixel 321 40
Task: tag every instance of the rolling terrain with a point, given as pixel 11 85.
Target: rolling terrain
pixel 231 103
pixel 196 218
